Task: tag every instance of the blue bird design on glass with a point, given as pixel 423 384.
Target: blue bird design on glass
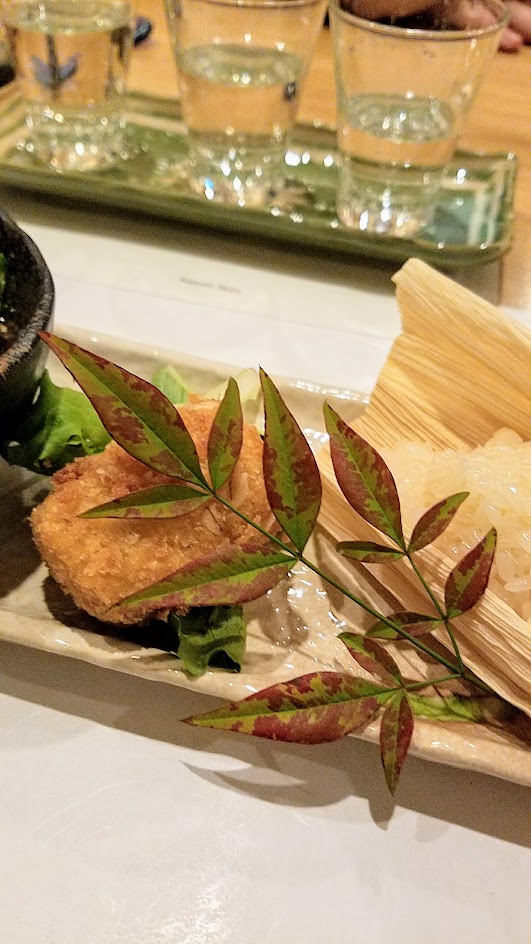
pixel 51 74
pixel 53 77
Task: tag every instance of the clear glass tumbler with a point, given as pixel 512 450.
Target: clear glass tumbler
pixel 71 59
pixel 403 95
pixel 240 64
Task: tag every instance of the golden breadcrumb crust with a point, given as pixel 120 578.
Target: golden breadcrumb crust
pixel 99 562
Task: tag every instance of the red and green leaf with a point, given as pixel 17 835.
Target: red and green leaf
pixel 226 436
pixel 291 475
pixel 372 657
pixel 396 729
pixel 435 521
pixel 367 552
pixel 233 574
pixel 467 582
pixel 160 501
pixel 415 624
pixel 312 709
pixel 137 415
pixel 364 478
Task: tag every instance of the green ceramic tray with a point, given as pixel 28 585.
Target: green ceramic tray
pixel 472 223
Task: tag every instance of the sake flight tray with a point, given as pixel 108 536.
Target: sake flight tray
pixel 472 222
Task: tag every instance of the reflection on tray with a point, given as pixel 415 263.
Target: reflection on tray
pixel 472 223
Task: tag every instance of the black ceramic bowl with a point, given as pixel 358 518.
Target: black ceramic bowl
pixel 28 301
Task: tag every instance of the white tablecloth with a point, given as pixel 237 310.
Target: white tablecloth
pixel 117 823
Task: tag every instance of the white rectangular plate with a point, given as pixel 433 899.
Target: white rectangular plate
pixel 291 631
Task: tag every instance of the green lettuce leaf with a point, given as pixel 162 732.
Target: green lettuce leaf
pixel 168 380
pixel 210 637
pixel 248 382
pixel 61 426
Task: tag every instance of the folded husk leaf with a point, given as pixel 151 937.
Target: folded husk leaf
pixel 458 372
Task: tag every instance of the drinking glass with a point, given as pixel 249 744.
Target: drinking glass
pixel 241 64
pixel 403 95
pixel 71 59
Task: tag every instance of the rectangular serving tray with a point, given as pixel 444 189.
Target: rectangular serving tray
pixel 472 223
pixel 288 634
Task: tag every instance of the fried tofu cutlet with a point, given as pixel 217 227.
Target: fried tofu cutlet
pixel 98 562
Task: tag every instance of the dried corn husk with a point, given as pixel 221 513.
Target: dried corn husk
pixel 458 372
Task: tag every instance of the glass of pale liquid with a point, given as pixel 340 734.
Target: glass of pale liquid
pixel 71 59
pixel 404 88
pixel 240 65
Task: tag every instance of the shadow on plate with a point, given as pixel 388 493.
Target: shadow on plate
pixel 291 775
pixel 19 556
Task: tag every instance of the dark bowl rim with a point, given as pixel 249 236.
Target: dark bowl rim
pixel 40 318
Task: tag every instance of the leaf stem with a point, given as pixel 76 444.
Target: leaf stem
pixel 255 525
pixel 427 682
pixel 439 609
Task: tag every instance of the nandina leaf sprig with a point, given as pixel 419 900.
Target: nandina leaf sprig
pixel 321 706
